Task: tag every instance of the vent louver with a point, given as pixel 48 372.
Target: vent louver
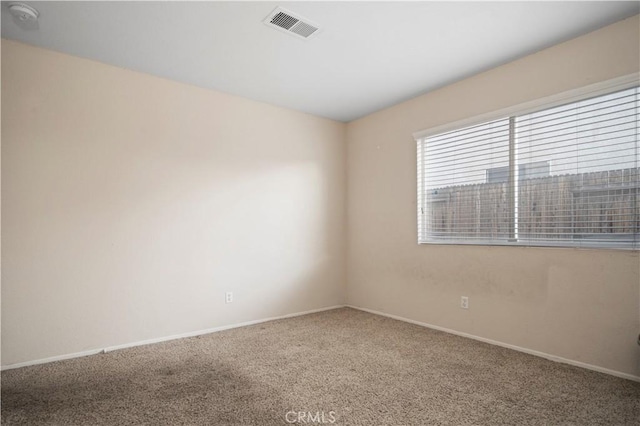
pixel 291 23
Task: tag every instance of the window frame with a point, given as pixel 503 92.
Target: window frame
pixel 567 97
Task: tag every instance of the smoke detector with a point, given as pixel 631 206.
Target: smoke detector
pixel 291 23
pixel 23 12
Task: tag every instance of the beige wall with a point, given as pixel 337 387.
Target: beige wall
pixel 582 305
pixel 130 204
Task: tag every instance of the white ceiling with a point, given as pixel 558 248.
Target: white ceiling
pixel 369 55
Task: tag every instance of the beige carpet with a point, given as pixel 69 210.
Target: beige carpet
pixel 352 367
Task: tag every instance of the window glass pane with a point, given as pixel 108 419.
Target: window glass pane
pixel 589 194
pixel 464 186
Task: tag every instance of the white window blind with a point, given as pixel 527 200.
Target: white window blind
pixel 564 176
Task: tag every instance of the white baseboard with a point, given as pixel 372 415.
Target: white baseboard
pixel 396 317
pixel 162 339
pixel 506 345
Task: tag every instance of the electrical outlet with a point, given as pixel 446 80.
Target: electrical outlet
pixel 228 297
pixel 464 302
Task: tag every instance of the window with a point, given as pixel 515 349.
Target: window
pixel 566 175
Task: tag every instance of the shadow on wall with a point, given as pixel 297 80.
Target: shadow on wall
pixel 153 254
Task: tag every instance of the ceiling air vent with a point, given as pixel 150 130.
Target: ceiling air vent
pixel 291 23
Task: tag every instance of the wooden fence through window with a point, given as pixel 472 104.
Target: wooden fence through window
pixel 583 205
